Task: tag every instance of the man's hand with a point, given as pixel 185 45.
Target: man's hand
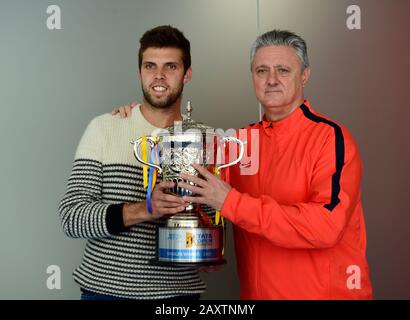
pixel 164 203
pixel 210 190
pixel 161 203
pixel 124 111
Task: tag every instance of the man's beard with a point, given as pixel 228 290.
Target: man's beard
pixel 163 104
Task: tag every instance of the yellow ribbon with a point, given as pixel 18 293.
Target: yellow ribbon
pixel 145 158
pixel 219 218
pixel 217 212
pixel 154 178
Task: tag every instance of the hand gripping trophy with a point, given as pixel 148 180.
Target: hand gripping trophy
pixel 188 238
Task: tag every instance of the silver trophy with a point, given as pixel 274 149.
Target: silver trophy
pixel 191 237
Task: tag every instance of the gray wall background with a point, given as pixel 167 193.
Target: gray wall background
pixel 52 83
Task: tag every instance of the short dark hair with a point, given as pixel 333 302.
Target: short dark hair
pixel 163 37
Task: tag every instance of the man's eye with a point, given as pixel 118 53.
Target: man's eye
pixel 172 66
pixel 283 71
pixel 261 71
pixel 148 66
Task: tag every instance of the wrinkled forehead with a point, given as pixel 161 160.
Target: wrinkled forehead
pixel 276 55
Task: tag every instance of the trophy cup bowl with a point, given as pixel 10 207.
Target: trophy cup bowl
pixel 189 238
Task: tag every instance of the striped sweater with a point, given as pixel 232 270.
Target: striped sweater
pixel 106 174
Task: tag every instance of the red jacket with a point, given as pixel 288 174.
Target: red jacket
pixel 298 221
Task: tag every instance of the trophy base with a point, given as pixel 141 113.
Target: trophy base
pixel 189 246
pixel 157 262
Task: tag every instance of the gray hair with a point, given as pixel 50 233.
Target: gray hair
pixel 282 38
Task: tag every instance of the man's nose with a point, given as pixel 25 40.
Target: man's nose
pixel 160 74
pixel 272 78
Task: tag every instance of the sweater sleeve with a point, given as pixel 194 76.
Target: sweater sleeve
pixel 334 193
pixel 82 211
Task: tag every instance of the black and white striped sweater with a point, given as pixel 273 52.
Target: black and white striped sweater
pixel 105 175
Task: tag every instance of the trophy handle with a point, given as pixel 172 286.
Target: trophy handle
pixel 137 144
pixel 241 152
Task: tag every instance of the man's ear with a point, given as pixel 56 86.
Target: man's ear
pixel 188 75
pixel 305 76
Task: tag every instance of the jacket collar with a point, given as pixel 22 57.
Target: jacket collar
pixel 286 125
